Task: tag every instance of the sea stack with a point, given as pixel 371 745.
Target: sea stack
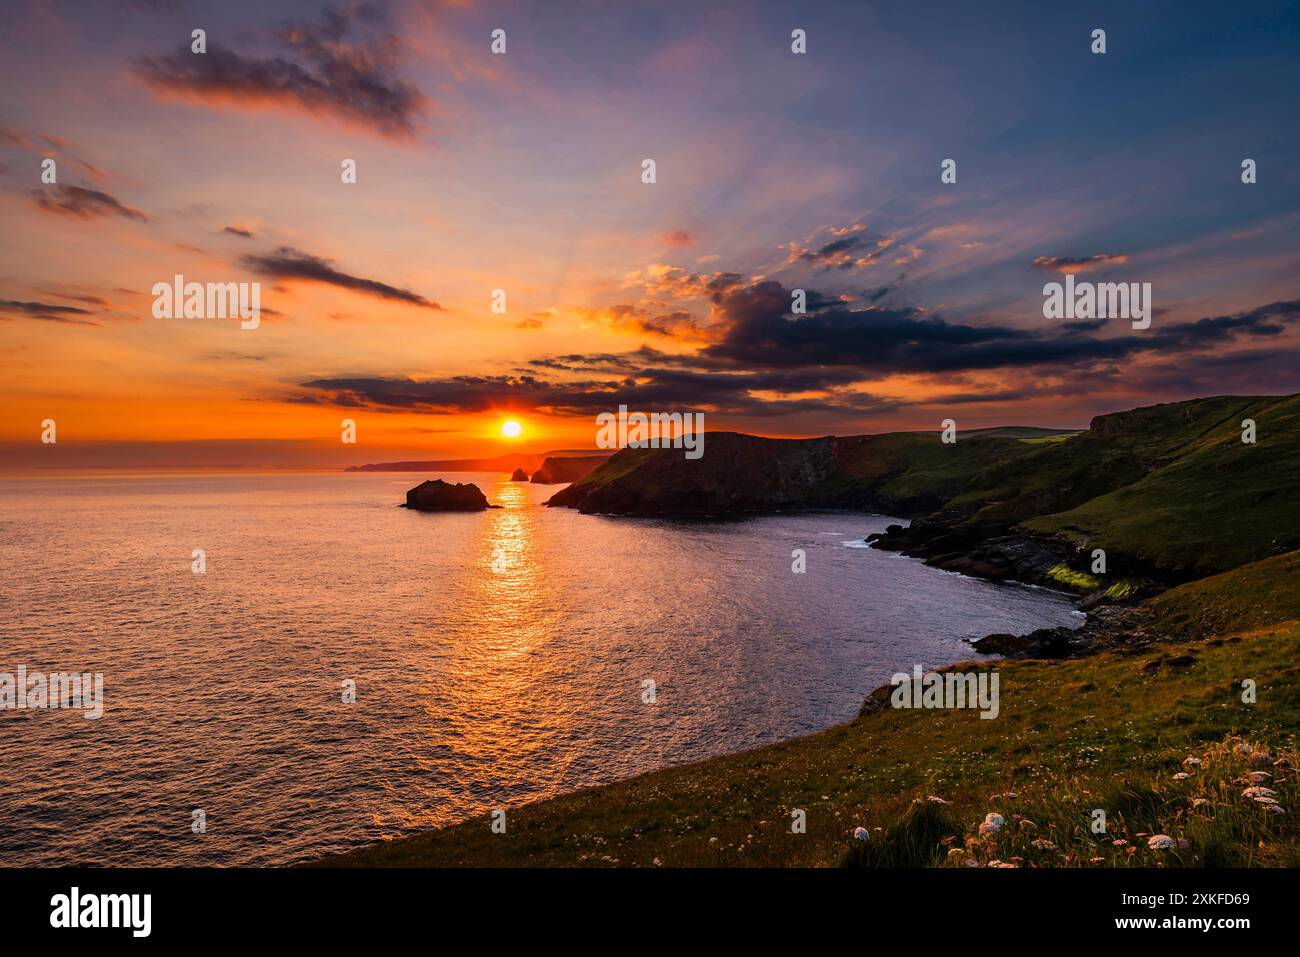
pixel 439 496
pixel 519 476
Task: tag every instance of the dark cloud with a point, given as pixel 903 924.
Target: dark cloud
pixel 289 263
pixel 324 68
pixel 726 393
pixel 14 309
pixel 851 251
pixel 236 231
pixel 83 203
pixel 760 332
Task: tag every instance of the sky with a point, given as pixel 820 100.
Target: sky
pixel 522 172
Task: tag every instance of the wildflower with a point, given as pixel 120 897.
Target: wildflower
pixel 1258 777
pixel 1026 823
pixel 955 855
pixel 1275 808
pixel 1258 792
pixel 1119 842
pixel 1265 800
pixel 861 834
pixel 1001 864
pixel 1043 845
pixel 936 800
pixel 1160 842
pixel 1200 802
pixel 1262 758
pixel 1181 776
pixel 1192 762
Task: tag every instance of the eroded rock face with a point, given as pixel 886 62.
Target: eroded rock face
pixel 439 496
pixel 558 469
pixel 519 476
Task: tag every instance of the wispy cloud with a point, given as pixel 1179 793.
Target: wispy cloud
pixel 1080 263
pixel 289 263
pixel 83 203
pixel 326 68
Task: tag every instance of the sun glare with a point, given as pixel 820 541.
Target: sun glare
pixel 511 429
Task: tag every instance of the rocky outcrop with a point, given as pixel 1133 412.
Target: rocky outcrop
pixel 992 552
pixel 519 476
pixel 439 496
pixel 737 474
pixel 560 469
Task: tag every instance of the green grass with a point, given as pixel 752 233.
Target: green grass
pixel 1208 504
pixel 1109 732
pixel 1063 574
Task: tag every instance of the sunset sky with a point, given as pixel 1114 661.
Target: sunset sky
pixel 522 172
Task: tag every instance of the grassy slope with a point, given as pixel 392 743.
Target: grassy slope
pixel 913 471
pixel 1216 504
pixel 1170 489
pixel 1070 738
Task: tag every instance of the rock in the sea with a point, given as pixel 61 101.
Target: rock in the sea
pixel 519 476
pixel 439 496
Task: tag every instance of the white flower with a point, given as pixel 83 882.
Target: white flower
pixel 936 800
pixel 1258 792
pixel 1001 864
pixel 1275 808
pixel 1160 842
pixel 1181 776
pixel 994 818
pixel 1043 845
pixel 861 834
pixel 1200 802
pixel 1192 762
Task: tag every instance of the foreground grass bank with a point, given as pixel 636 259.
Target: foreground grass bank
pixel 1112 732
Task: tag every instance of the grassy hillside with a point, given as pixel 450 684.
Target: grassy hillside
pixel 907 472
pixel 1069 739
pixel 1206 501
pixel 912 472
pixel 1169 491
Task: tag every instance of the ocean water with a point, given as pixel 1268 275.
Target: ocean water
pixel 498 657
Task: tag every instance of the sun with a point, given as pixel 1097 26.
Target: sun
pixel 511 429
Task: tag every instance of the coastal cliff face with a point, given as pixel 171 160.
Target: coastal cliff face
pixel 555 471
pixel 738 473
pixel 900 473
pixel 1169 492
pixel 439 496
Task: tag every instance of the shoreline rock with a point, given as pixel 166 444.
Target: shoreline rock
pixel 519 476
pixel 436 495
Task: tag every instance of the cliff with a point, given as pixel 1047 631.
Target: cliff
pixel 555 470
